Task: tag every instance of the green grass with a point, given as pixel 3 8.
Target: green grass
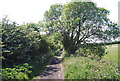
pixel 112 55
pixel 85 68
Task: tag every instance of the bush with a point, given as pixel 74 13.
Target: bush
pixel 97 50
pixel 55 44
pixel 23 43
pixel 19 72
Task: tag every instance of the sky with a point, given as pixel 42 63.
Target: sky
pixel 26 11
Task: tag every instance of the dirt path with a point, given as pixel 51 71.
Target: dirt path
pixel 53 71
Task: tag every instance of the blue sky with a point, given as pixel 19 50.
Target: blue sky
pixel 33 10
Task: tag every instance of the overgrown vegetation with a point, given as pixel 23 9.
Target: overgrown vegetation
pixel 22 44
pixel 72 28
pixel 78 67
pixel 22 73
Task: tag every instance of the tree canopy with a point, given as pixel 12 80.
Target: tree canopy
pixel 82 22
pixel 51 18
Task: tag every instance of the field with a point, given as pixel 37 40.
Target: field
pixel 112 55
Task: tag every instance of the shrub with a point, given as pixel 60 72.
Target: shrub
pixel 19 72
pixel 97 50
pixel 23 42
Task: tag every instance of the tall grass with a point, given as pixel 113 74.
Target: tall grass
pixel 85 68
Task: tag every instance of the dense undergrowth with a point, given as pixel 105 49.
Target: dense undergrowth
pixel 26 71
pixel 25 53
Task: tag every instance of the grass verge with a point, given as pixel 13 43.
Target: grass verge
pixel 85 68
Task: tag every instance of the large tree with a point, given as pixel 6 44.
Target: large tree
pixel 84 22
pixel 80 23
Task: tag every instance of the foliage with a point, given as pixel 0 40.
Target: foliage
pixel 80 23
pixel 85 68
pixel 54 41
pixel 19 72
pixel 83 22
pixel 94 49
pixel 74 26
pixel 53 13
pixel 51 18
pixel 22 42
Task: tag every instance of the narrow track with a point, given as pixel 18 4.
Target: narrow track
pixel 53 71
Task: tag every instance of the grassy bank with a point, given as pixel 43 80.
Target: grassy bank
pixel 85 68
